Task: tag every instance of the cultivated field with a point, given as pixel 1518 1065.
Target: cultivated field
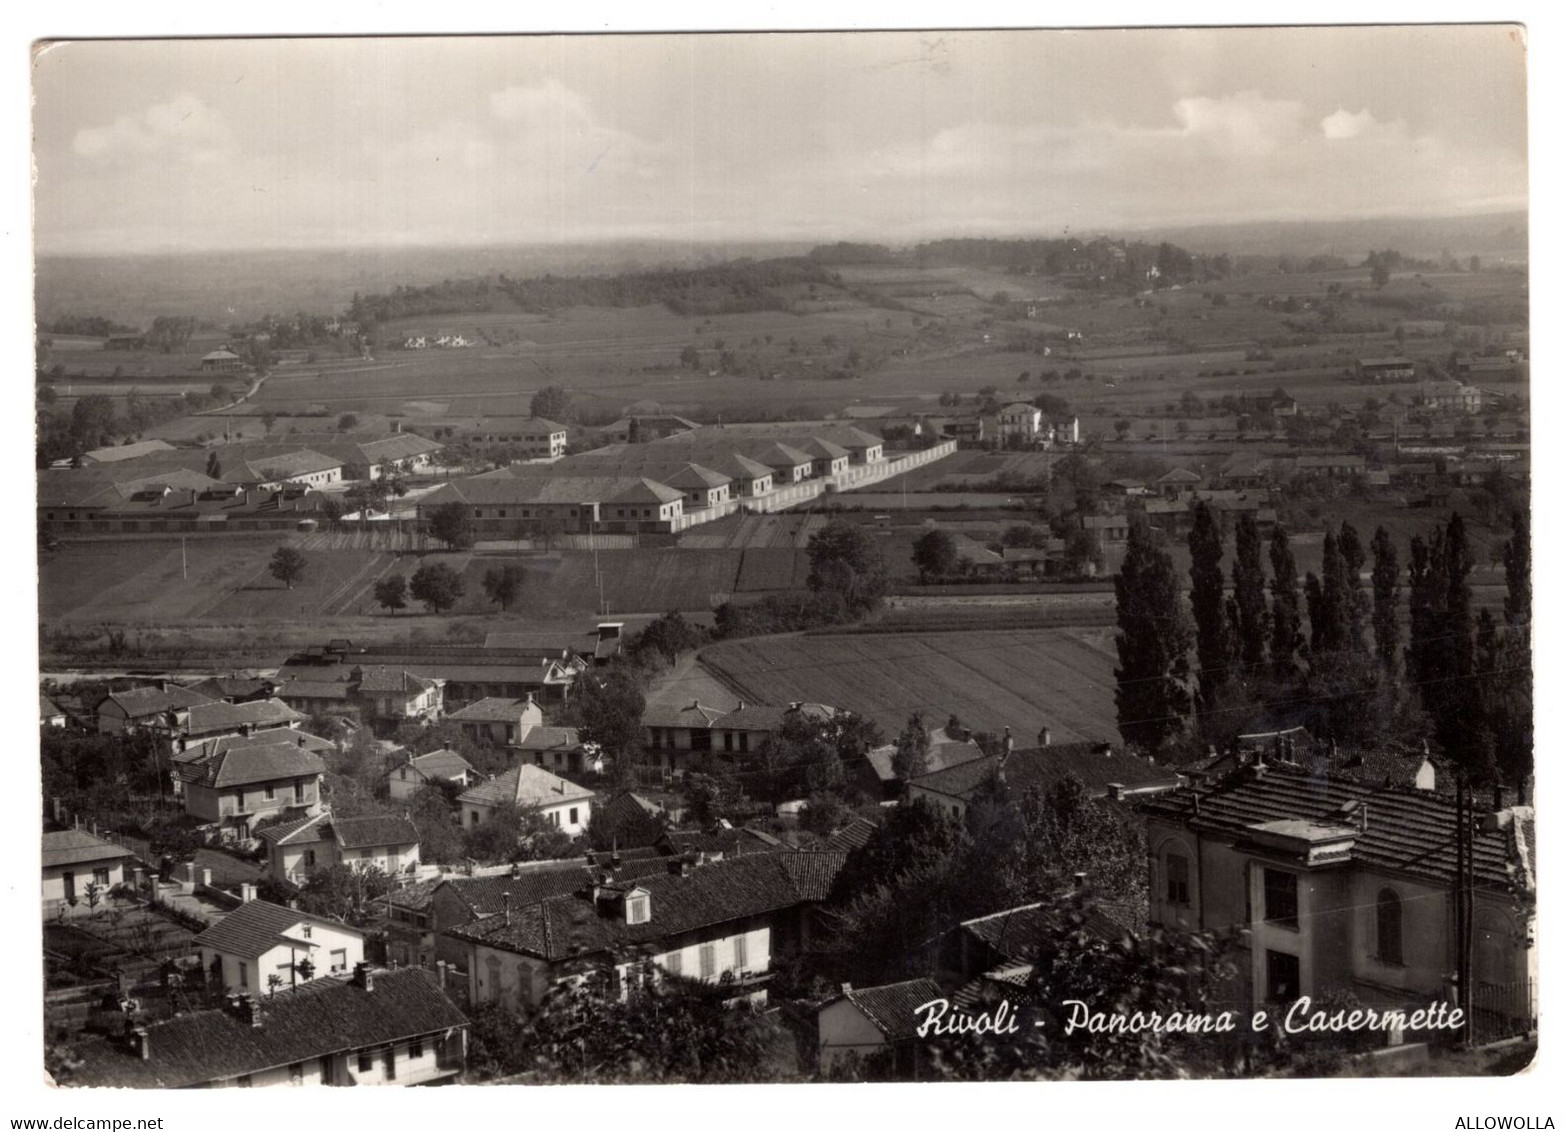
pixel 1062 678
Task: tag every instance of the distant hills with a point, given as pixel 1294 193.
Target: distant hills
pixel 1501 237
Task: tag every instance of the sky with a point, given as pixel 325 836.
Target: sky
pixel 152 145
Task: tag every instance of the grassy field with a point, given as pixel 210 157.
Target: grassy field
pixel 1062 678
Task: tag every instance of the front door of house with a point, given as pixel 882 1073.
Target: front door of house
pixel 68 879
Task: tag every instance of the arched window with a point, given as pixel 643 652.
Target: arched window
pixel 1388 926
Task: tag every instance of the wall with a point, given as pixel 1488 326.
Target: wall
pixel 843 1031
pixel 345 1067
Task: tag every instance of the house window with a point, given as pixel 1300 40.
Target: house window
pixel 741 952
pixel 1388 927
pixel 416 1048
pixel 298 790
pixel 391 1063
pixel 339 960
pixel 366 1061
pixel 307 930
pixel 473 814
pixel 1178 879
pixel 296 1073
pixel 244 974
pixel 271 792
pixel 637 911
pixel 1281 891
pixel 101 876
pixel 403 774
pixel 244 1081
pixel 1282 977
pixel 708 961
pixel 309 858
pixel 674 962
pixel 573 815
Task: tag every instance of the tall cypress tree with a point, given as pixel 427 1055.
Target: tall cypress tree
pixel 1213 645
pixel 1386 582
pixel 1315 609
pixel 1351 547
pixel 1151 697
pixel 1518 570
pixel 1451 692
pixel 1287 633
pixel 1248 610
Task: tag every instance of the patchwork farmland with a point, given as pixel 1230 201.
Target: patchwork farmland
pixel 1059 678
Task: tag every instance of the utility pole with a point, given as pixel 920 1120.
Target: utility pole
pixel 184 565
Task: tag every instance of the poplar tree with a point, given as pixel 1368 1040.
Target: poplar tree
pixel 1287 632
pixel 1251 623
pixel 1213 644
pixel 1386 582
pixel 1151 698
pixel 1351 547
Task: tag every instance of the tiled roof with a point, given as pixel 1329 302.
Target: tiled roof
pixel 444 763
pixel 304 831
pixel 546 738
pixel 643 490
pixel 219 716
pixel 222 687
pixel 625 820
pixel 698 476
pixel 48 708
pixel 320 1018
pixel 373 831
pixel 247 765
pixel 76 847
pixel 254 928
pixel 693 714
pixel 386 678
pixel 1042 767
pixel 718 893
pixel 115 453
pixel 526 786
pixel 944 752
pixel 271 737
pixel 893 1008
pixel 491 709
pixel 138 703
pixel 854 835
pixel 1015 933
pixel 1406 831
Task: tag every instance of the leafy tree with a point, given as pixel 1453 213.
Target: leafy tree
pixel 391 592
pixel 1153 643
pixel 666 639
pixel 503 584
pixel 1518 570
pixel 1083 552
pixel 709 798
pixel 439 837
pixel 449 523
pixel 1351 548
pixel 845 561
pixel 287 565
pixel 345 894
pixel 436 585
pixel 1287 632
pixel 1248 615
pixel 331 511
pixel 552 403
pixel 1386 584
pixel 347 422
pixel 607 706
pixel 912 754
pixel 934 553
pixel 1214 646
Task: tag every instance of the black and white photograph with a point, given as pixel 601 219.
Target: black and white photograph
pixel 781 557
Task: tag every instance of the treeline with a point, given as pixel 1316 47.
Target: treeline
pixel 1327 651
pixel 729 288
pixel 85 325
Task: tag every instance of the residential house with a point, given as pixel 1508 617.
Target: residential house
pixel 949 746
pixel 1335 465
pixel 530 438
pixel 1106 772
pixel 560 803
pixel 321 678
pixel 675 734
pixel 642 505
pixel 390 696
pixel 1450 396
pixel 235 689
pixel 1177 482
pixel 556 748
pixel 221 361
pixel 295 849
pixel 1108 528
pixel 496 721
pixel 1345 886
pixel 430 769
pixel 373 1028
pixel 218 718
pixel 73 860
pixel 720 923
pixel 236 788
pixel 641 429
pixel 187 752
pixel 1018 423
pixel 627 821
pixel 702 487
pixel 875 1023
pixel 258 940
pixel 147 708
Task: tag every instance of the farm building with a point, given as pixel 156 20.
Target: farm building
pixel 1450 397
pixel 1387 369
pixel 529 438
pixel 322 676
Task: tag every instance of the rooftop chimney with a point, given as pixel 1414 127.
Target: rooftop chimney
pixel 505 903
pixel 1080 879
pixel 252 1012
pixel 1117 789
pixel 141 1042
pixel 364 977
pixel 1043 737
pixel 1104 749
pixel 246 893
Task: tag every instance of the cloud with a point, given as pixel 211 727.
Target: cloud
pixel 1343 124
pixel 454 146
pixel 551 104
pixel 1246 121
pixel 184 128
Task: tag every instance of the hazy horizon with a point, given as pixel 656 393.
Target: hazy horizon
pixel 184 146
